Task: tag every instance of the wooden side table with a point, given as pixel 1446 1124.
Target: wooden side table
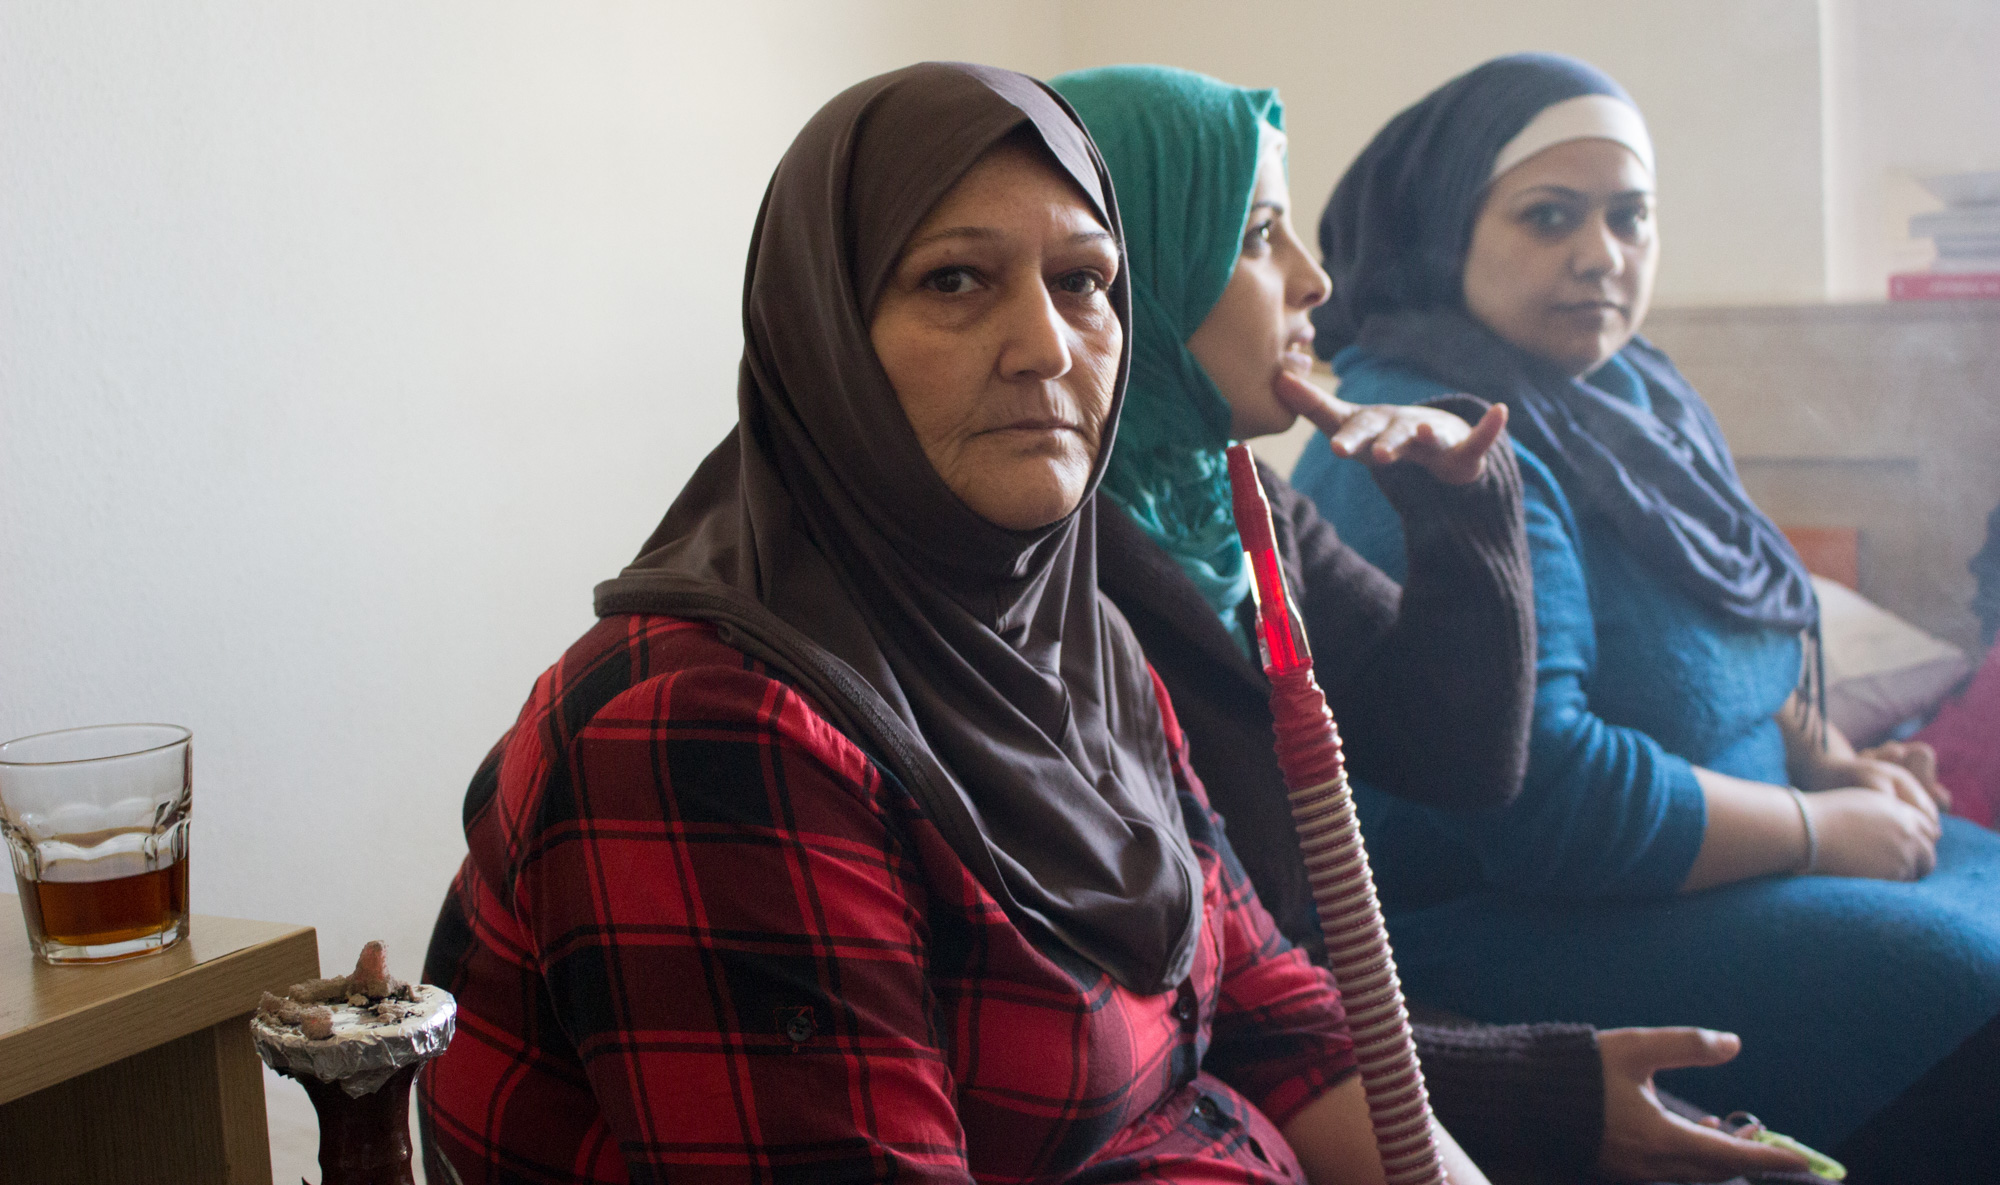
pixel 142 1070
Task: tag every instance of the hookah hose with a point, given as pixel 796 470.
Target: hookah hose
pixel 1357 943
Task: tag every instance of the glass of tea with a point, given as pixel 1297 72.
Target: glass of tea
pixel 96 821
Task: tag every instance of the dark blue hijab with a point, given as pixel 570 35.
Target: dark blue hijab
pixel 1395 237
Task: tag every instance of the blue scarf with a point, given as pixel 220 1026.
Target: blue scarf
pixel 1395 237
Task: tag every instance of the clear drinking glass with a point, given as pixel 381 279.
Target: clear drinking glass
pixel 96 821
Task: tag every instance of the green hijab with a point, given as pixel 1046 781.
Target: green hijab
pixel 1182 149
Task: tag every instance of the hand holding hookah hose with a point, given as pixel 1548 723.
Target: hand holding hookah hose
pixel 1357 943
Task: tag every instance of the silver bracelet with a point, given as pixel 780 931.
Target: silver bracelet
pixel 1812 836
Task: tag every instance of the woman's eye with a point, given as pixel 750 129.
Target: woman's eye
pixel 1084 283
pixel 1547 218
pixel 951 281
pixel 1258 235
pixel 1630 222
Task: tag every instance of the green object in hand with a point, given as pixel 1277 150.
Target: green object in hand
pixel 1819 1162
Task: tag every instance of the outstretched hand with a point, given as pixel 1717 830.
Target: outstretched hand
pixel 1450 449
pixel 1643 1141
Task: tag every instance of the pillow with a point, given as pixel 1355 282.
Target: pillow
pixel 1880 669
pixel 1968 760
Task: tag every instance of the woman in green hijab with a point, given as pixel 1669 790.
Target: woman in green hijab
pixel 1432 682
pixel 1185 151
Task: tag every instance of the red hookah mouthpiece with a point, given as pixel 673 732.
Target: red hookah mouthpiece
pixel 1253 510
pixel 1283 644
pixel 1308 744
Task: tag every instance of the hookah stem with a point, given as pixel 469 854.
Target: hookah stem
pixel 364 1141
pixel 1350 916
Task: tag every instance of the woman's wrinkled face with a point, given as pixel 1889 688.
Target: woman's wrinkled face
pixel 1259 331
pixel 1563 253
pixel 998 333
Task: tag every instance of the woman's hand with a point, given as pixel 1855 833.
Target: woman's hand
pixel 1450 449
pixel 1643 1141
pixel 1872 834
pixel 1873 770
pixel 1819 757
pixel 1754 829
pixel 1918 758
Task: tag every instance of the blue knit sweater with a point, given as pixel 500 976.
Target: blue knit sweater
pixel 1635 682
pixel 1563 904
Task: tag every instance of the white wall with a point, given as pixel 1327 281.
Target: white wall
pixel 1729 87
pixel 342 349
pixel 1912 88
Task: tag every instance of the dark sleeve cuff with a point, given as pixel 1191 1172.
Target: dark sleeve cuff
pixel 1485 512
pixel 1522 1095
pixel 1469 533
pixel 1465 631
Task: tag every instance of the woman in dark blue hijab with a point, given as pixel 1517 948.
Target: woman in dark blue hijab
pixel 1662 862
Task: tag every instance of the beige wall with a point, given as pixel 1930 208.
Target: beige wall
pixel 343 347
pixel 1790 132
pixel 1730 88
pixel 1912 88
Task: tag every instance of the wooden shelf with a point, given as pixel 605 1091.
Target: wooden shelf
pixel 1876 312
pixel 141 1070
pixel 1883 419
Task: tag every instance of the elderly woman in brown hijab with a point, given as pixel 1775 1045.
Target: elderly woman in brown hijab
pixel 857 841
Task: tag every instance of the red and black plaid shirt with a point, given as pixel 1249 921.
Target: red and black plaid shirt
pixel 701 936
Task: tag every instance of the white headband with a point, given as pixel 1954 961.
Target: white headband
pixel 1586 117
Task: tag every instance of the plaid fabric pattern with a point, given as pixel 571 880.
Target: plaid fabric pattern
pixel 700 936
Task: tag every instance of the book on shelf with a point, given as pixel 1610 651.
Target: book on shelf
pixel 1966 234
pixel 1958 222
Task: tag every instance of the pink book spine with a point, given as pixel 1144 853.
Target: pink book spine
pixel 1945 286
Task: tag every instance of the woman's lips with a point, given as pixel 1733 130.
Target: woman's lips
pixel 1290 386
pixel 1591 309
pixel 1039 426
pixel 1298 353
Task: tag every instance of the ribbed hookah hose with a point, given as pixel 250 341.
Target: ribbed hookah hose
pixel 1350 916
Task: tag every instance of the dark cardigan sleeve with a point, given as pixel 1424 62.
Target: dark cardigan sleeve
pixel 1522 1095
pixel 1433 684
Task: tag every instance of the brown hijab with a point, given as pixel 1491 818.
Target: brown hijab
pixel 977 664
